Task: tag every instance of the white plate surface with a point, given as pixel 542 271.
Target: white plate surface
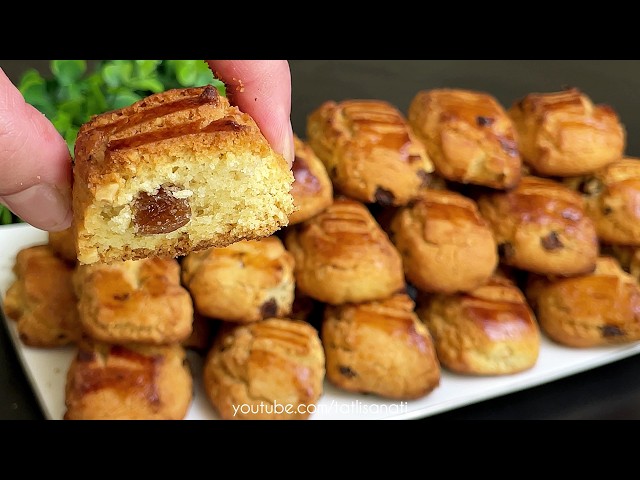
pixel 46 368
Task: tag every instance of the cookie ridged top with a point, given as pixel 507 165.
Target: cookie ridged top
pixel 369 151
pixel 272 361
pixel 164 118
pixel 343 255
pixel 565 133
pixel 468 135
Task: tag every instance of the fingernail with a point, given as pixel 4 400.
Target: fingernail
pixel 287 147
pixel 43 205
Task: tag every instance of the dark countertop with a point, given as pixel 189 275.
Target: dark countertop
pixel 608 392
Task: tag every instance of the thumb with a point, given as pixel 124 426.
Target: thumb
pixel 35 163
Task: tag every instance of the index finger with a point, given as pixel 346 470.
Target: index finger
pixel 261 88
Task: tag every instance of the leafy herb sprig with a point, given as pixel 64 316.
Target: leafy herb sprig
pixel 74 92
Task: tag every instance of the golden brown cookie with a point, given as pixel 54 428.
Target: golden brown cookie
pixel 369 151
pixel 312 189
pixel 138 301
pixel 380 347
pixel 175 172
pixel 128 382
pixel 245 282
pixel 342 255
pixel 564 133
pixel 599 308
pixel 42 300
pixel 489 331
pixel 612 200
pixel 273 369
pixel 63 244
pixel 468 135
pixel 542 227
pixel 446 246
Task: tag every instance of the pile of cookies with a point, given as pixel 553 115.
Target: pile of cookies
pixel 452 237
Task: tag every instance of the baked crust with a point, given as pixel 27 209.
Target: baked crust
pixel 380 347
pixel 41 299
pixel 342 255
pixel 245 282
pixel 541 226
pixel 612 200
pixel 369 151
pixel 468 135
pixel 564 133
pixel 253 368
pixel 598 308
pixel 128 382
pixel 489 331
pixel 138 301
pixel 446 245
pixel 312 189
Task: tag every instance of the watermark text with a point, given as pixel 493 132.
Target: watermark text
pixel 334 408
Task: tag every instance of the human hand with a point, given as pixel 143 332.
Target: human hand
pixel 35 163
pixel 34 158
pixel 261 88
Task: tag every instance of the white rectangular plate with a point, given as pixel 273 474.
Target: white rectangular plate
pixel 46 368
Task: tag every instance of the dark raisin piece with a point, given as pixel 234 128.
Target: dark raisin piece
pixel 160 213
pixel 384 197
pixel 506 250
pixel 269 308
pixel 484 121
pixel 209 94
pixel 551 242
pixel 612 331
pixel 347 372
pixel 412 291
